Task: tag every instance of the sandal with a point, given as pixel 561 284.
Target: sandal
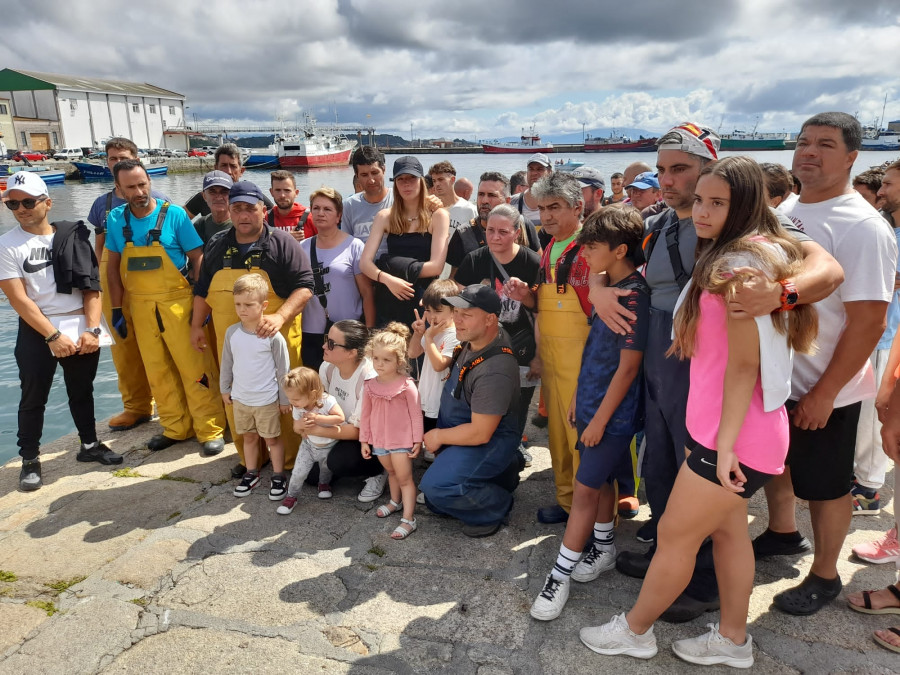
pixel 809 597
pixel 404 529
pixel 867 603
pixel 387 509
pixel 884 643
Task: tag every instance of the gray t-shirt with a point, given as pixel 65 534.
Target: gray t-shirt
pixel 492 387
pixel 359 214
pixel 660 277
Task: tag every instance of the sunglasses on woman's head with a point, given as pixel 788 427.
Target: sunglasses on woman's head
pixel 331 344
pixel 13 204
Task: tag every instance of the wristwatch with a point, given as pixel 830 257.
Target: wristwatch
pixel 789 295
pixel 94 331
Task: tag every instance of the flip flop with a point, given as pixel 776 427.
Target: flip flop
pixel 884 643
pixel 867 603
pixel 809 597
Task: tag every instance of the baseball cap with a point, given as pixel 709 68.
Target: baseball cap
pixel 408 165
pixel 477 296
pixel 588 176
pixel 28 182
pixel 245 191
pixel 219 178
pixel 691 138
pixel 540 158
pixel 645 180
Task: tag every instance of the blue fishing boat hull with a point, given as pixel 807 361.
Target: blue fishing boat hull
pixel 255 161
pixel 91 171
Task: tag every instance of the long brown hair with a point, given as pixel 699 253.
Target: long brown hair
pixel 397 223
pixel 748 215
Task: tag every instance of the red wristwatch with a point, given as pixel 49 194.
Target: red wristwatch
pixel 789 295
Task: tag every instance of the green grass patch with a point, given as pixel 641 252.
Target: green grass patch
pixel 48 607
pixel 140 602
pixel 371 567
pixel 180 479
pixel 64 584
pixel 7 576
pixel 174 515
pixel 127 472
pixel 221 482
pixel 377 550
pixel 199 497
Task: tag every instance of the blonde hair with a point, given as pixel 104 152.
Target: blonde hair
pixel 394 338
pixel 397 223
pixel 306 382
pixel 331 195
pixel 253 284
pixel 748 215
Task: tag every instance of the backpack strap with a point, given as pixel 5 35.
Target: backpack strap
pixel 320 288
pixel 270 217
pixel 477 361
pixel 303 218
pixel 681 277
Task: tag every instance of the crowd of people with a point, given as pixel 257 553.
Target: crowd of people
pixel 734 321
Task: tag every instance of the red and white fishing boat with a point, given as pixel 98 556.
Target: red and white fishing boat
pixel 528 143
pixel 313 147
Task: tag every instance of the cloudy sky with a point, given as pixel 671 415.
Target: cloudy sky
pixel 480 69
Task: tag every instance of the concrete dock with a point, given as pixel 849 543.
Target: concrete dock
pixel 156 567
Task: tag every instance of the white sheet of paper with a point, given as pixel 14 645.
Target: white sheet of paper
pixel 72 326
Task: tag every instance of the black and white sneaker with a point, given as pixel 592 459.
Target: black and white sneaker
pixel 30 475
pixel 595 563
pixel 277 488
pixel 248 482
pixel 550 601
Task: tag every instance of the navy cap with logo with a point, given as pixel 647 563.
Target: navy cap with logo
pixel 245 191
pixel 476 296
pixel 408 165
pixel 588 176
pixel 219 178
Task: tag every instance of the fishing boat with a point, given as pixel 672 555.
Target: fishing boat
pixel 313 147
pixel 262 158
pixel 49 176
pixel 743 141
pixel 98 171
pixel 529 142
pixel 569 165
pixel 614 143
pixel 880 139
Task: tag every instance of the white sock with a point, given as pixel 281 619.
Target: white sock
pixel 605 537
pixel 565 563
pixel 88 446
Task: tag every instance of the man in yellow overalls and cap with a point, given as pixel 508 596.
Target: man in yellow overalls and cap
pixel 250 245
pixel 150 243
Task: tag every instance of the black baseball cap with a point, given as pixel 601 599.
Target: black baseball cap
pixel 477 296
pixel 408 165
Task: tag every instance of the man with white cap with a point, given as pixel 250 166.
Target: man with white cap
pixel 682 153
pixel 539 165
pixel 49 274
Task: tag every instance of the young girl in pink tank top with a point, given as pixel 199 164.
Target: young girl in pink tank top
pixel 738 426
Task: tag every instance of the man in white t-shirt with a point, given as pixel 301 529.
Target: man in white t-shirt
pixel 360 209
pixel 461 211
pixel 828 386
pixel 50 276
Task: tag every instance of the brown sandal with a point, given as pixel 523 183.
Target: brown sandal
pixel 867 603
pixel 884 643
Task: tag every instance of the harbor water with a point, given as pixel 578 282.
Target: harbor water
pixel 73 200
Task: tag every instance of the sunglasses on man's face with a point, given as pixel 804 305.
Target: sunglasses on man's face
pixel 331 344
pixel 13 204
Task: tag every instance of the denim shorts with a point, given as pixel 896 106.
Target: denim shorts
pixel 381 452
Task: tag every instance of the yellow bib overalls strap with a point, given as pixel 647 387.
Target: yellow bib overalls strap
pixel 184 383
pixel 133 385
pixel 220 298
pixel 564 329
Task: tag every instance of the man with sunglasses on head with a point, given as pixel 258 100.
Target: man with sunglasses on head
pixel 49 273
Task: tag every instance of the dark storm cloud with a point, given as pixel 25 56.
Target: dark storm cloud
pixel 794 95
pixel 844 13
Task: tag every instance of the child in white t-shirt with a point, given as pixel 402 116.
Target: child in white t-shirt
pixel 309 401
pixel 434 334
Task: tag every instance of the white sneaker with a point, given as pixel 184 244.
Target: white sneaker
pixel 594 564
pixel 420 498
pixel 373 488
pixel 615 637
pixel 713 648
pixel 550 602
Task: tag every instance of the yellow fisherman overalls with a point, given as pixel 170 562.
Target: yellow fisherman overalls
pixel 564 331
pixel 184 383
pixel 133 384
pixel 220 298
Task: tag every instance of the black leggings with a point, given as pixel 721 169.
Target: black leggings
pixel 37 366
pixel 345 459
pixel 312 350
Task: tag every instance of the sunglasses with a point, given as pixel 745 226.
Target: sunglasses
pixel 331 344
pixel 13 204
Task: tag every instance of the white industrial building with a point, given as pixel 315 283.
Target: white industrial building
pixel 55 111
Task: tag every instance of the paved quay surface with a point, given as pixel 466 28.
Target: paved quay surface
pixel 160 569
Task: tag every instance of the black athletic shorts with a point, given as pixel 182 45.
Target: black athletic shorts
pixel 821 461
pixel 702 461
